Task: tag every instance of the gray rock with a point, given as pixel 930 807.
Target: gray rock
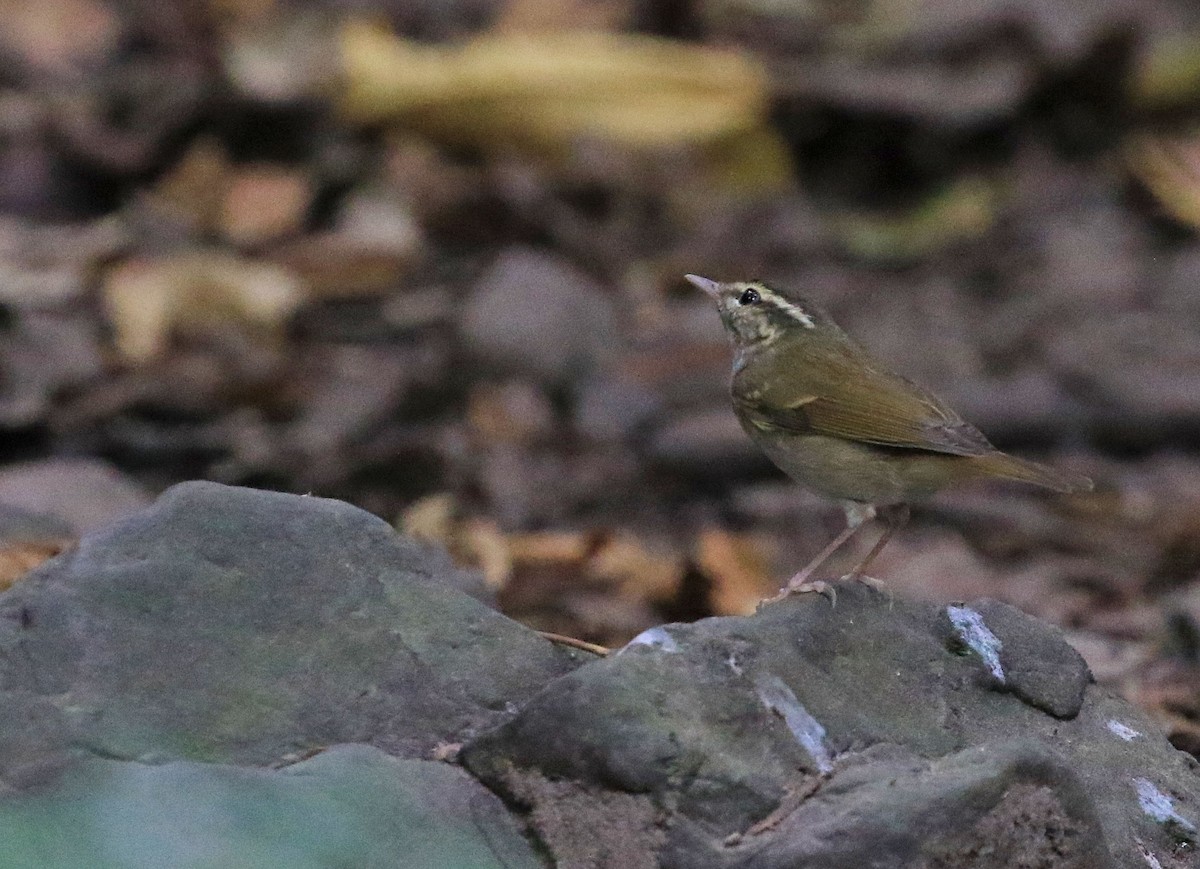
pixel 1036 662
pixel 226 625
pixel 349 806
pixel 84 493
pixel 806 736
pixel 18 525
pixel 537 313
pixel 232 625
pixel 890 802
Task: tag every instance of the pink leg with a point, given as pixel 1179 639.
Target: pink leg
pixel 894 520
pixel 856 515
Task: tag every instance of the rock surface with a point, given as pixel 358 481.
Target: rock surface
pixel 233 625
pixel 806 736
pixel 167 666
pixel 349 806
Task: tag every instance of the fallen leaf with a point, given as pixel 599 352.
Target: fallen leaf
pixel 961 211
pixel 280 57
pixel 550 88
pixel 1169 168
pixel 17 559
pixel 544 547
pixel 512 412
pixel 546 92
pixel 538 16
pixel 192 191
pixel 149 300
pixel 430 519
pixel 1167 72
pixel 371 247
pixel 332 265
pixel 59 39
pixel 638 570
pixel 739 566
pixel 475 543
pixel 265 202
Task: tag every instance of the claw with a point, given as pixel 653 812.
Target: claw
pixel 871 582
pixel 815 586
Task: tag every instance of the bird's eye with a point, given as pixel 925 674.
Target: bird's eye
pixel 750 297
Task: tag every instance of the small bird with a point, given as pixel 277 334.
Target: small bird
pixel 842 424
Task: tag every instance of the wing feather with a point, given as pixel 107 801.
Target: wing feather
pixel 847 394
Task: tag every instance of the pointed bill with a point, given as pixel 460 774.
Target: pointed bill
pixel 710 287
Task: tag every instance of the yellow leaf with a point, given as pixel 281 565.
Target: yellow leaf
pixel 149 300
pixel 1167 73
pixel 963 210
pixel 1170 170
pixel 545 92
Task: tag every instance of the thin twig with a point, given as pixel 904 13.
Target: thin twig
pixel 584 645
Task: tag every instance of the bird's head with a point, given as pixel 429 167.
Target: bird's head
pixel 758 314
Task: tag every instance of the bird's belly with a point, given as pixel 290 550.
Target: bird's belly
pixel 850 470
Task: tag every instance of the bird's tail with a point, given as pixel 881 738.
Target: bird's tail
pixel 1008 467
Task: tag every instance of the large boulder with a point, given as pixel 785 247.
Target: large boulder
pixel 162 684
pixel 861 735
pixel 239 626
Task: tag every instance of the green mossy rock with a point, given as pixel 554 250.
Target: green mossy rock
pixel 350 806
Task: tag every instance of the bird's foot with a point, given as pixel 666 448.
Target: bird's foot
pixel 871 582
pixel 815 586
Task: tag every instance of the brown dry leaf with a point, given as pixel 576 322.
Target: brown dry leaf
pixel 17 559
pixel 253 13
pixel 335 266
pixel 550 547
pixel 372 246
pixel 484 545
pixel 545 92
pixel 264 203
pixel 475 543
pixel 739 566
pixel 512 412
pixel 149 300
pixel 194 188
pixel 636 569
pixel 1170 169
pixel 1182 732
pixel 547 567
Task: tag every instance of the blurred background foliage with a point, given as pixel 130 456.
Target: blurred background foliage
pixel 426 256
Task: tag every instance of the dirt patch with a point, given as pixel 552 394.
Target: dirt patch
pixel 589 828
pixel 1027 829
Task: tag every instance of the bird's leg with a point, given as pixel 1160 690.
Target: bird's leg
pixel 894 519
pixel 856 515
